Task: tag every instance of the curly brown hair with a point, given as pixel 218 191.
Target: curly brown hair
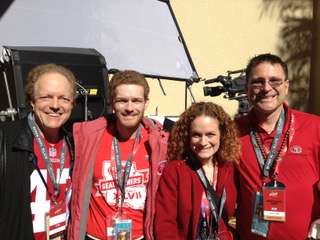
pixel 40 70
pixel 178 145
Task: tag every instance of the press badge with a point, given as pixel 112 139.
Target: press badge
pixel 119 227
pixel 109 227
pixel 259 225
pixel 56 221
pixel 274 208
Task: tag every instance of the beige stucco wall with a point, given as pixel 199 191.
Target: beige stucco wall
pixel 220 36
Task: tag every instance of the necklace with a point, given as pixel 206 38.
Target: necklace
pixel 277 159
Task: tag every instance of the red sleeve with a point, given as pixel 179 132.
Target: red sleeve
pixel 166 225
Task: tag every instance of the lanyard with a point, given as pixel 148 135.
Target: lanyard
pixel 213 208
pixel 122 182
pixel 45 156
pixel 266 165
pixel 44 181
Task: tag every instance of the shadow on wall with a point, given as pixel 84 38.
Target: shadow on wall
pixel 294 45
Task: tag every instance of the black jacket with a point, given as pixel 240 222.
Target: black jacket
pixel 16 166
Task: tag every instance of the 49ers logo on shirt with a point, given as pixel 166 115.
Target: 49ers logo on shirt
pixel 296 149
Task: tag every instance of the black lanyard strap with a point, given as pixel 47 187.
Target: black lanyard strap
pixel 267 164
pixel 122 182
pixel 34 160
pixel 45 156
pixel 214 200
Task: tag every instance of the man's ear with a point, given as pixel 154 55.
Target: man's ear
pixel 32 102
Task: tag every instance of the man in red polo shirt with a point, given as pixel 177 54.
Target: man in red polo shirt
pixel 279 168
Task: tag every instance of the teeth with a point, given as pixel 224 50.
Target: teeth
pixel 265 97
pixel 54 114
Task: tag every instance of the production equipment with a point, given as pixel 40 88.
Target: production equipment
pixel 232 88
pixel 87 64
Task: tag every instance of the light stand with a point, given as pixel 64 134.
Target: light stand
pixel 85 91
pixel 189 83
pixel 10 112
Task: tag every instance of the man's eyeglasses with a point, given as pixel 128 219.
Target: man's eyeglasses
pixel 259 84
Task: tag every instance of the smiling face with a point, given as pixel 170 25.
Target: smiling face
pixel 52 103
pixel 267 100
pixel 129 105
pixel 204 138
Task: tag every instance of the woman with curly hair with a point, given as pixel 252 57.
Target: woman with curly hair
pixel 197 194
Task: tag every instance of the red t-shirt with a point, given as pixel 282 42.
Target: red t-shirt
pixel 40 199
pixel 104 187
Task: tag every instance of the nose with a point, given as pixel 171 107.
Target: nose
pixel 266 86
pixel 129 106
pixel 55 103
pixel 203 141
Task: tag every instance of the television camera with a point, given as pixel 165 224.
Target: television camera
pixel 232 87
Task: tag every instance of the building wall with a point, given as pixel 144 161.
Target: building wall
pixel 220 36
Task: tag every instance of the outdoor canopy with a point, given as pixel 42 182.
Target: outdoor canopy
pixel 142 35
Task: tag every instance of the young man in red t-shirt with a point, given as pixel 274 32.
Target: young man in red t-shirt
pixel 118 162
